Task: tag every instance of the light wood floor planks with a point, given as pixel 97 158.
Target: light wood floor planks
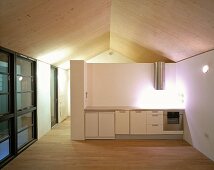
pixel 55 151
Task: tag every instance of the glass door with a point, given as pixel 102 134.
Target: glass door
pixel 6 114
pixel 25 101
pixel 54 96
pixel 18 120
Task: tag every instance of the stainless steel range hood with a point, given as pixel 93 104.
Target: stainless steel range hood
pixel 159 75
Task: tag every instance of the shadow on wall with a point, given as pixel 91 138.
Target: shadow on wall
pixel 187 133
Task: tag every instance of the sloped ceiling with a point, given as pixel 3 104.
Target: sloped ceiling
pixel 56 31
pixel 176 29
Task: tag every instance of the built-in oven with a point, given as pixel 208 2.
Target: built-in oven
pixel 173 120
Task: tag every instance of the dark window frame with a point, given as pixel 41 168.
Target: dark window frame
pixel 12 114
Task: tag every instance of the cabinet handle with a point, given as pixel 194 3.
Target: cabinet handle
pixel 154 124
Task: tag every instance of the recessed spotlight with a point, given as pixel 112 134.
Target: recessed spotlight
pixel 205 68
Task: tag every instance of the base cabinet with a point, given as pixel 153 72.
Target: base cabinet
pixel 106 125
pixel 146 122
pixel 122 122
pixel 91 124
pixel 99 125
pixel 154 122
pixel 137 122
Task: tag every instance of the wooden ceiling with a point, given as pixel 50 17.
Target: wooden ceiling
pixel 38 28
pixel 142 30
pixel 176 29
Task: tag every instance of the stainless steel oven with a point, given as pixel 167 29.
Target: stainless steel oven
pixel 173 120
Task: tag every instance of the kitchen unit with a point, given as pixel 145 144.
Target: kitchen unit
pixel 91 87
pixel 114 122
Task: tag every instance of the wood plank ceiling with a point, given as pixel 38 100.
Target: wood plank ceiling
pixel 176 29
pixel 142 30
pixel 55 30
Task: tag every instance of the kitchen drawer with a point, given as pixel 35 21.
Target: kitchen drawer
pixel 155 117
pixel 154 128
pixel 155 112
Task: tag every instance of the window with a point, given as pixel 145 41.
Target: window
pixel 3 62
pixel 24 137
pixel 1 83
pixel 4 74
pixel 5 136
pixel 24 85
pixel 4 140
pixel 25 101
pixel 25 125
pixel 4 104
pixel 17 104
pixel 24 121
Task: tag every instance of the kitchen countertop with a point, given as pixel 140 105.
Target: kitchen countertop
pixel 114 108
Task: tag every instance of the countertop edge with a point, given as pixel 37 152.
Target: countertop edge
pixel 126 108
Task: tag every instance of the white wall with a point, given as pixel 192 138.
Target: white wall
pixel 62 94
pixel 197 89
pixel 130 85
pixel 43 98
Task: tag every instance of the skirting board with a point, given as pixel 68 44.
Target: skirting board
pixel 149 136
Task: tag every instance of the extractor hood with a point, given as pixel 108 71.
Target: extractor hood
pixel 159 75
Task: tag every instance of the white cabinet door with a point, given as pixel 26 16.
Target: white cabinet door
pixel 91 125
pixel 122 122
pixel 138 122
pixel 106 124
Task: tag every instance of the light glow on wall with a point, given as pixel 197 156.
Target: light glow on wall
pixel 62 80
pixel 55 56
pixel 149 98
pixel 181 92
pixel 65 65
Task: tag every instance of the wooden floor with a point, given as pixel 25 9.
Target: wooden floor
pixel 56 151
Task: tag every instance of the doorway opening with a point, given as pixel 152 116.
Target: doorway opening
pixel 54 96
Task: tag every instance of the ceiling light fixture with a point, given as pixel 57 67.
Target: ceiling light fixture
pixel 205 68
